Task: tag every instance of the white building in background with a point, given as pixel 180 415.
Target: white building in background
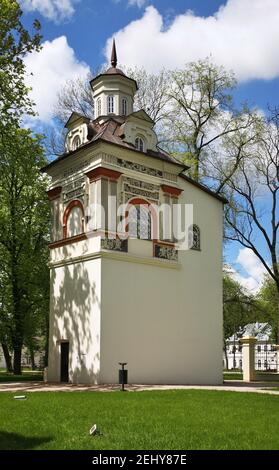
pixel 133 298
pixel 2 360
pixel 25 360
pixel 265 350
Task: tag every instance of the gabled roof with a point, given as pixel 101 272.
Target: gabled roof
pixel 111 131
pixel 141 114
pixel 75 117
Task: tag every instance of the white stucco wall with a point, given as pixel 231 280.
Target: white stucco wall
pixel 167 323
pixel 164 318
pixel 75 303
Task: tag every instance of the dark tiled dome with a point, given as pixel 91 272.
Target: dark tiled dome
pixel 114 71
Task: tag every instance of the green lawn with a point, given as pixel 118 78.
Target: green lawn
pixel 175 419
pixel 27 375
pixel 233 376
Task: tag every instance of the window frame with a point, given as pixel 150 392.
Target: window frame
pixel 141 146
pixel 74 145
pixel 110 104
pixel 194 230
pixel 73 204
pixel 99 106
pixel 124 106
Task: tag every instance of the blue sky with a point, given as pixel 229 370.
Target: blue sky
pixel 242 35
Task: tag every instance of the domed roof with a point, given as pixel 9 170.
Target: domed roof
pixel 114 71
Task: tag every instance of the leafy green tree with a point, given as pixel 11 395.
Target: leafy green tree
pixel 268 301
pixel 15 43
pixel 252 186
pixel 5 320
pixel 24 219
pixel 239 308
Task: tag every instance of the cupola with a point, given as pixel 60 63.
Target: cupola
pixel 113 91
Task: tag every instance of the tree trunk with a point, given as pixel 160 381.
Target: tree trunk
pixel 17 335
pixel 226 355
pixel 17 360
pixel 7 357
pixel 32 357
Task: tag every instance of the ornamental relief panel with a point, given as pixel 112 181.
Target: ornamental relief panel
pixel 114 244
pixel 112 160
pixel 133 187
pixel 74 190
pixel 166 252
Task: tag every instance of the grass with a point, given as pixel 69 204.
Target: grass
pixel 233 376
pixel 174 419
pixel 27 375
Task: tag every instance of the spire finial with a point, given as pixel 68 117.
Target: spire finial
pixel 113 55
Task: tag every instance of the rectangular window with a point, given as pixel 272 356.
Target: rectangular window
pixel 99 107
pixel 110 104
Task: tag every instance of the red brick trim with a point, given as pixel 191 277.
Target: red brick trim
pixel 100 172
pixel 67 241
pixel 54 193
pixel 171 190
pixel 75 203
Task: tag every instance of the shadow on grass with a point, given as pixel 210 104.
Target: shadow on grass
pixel 15 441
pixel 5 378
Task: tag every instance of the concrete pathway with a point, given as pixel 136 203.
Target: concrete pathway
pixel 228 385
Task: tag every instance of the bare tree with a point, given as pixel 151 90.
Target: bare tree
pixel 202 113
pixel 76 95
pixel 152 95
pixel 251 186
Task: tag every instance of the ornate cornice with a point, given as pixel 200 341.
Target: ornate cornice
pixel 171 190
pixel 100 172
pixel 54 193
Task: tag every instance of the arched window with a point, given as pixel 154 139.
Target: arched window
pixel 140 222
pixel 194 237
pixel 76 142
pixel 110 104
pixel 139 143
pixel 124 106
pixel 73 219
pixel 99 107
pixel 141 219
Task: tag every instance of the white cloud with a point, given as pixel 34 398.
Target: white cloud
pixel 48 70
pixel 138 3
pixel 242 35
pixel 253 268
pixel 134 3
pixel 56 10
